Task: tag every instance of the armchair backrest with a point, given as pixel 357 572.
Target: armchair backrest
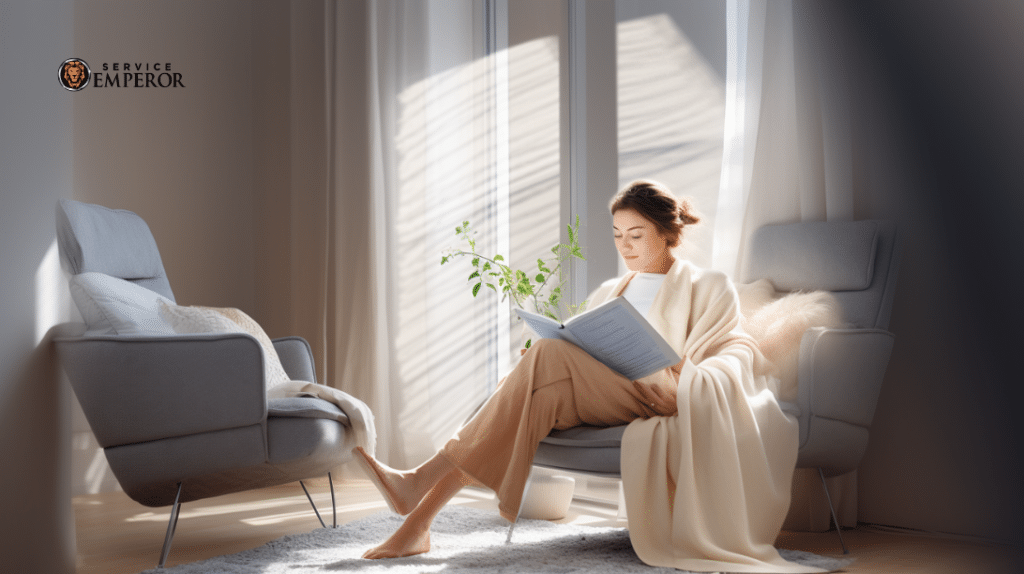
pixel 111 241
pixel 855 260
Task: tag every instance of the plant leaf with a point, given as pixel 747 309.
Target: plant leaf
pixel 498 258
pixel 474 275
pixel 539 278
pixel 528 343
pixel 476 289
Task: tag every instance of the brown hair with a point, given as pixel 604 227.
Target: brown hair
pixel 657 204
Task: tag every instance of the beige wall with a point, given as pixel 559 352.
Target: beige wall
pixel 182 158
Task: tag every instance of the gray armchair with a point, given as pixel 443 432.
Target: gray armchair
pixel 186 417
pixel 840 371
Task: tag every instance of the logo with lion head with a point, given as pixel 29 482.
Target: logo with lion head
pixel 75 74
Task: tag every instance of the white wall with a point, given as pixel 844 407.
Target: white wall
pixel 36 531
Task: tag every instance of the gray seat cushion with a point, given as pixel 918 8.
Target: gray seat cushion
pixel 307 408
pixel 586 449
pixel 307 433
pixel 587 437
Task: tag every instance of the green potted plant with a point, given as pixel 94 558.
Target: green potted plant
pixel 523 287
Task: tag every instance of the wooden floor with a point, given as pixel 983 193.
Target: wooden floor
pixel 118 536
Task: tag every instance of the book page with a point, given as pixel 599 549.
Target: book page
pixel 546 327
pixel 618 336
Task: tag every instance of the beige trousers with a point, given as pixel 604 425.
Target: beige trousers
pixel 555 386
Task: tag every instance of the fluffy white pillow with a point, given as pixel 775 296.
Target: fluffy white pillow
pixel 113 306
pixel 778 321
pixel 226 320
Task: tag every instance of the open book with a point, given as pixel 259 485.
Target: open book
pixel 614 333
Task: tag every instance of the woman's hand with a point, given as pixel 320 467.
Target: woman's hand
pixel 661 398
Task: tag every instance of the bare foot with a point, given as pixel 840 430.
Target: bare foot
pixel 404 542
pixel 389 482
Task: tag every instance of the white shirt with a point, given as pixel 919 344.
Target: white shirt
pixel 641 290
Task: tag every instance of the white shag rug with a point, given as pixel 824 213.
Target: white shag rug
pixel 462 540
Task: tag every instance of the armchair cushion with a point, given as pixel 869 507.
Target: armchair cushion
pixel 113 306
pixel 588 437
pixel 186 320
pixel 306 408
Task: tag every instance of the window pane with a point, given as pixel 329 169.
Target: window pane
pixel 534 132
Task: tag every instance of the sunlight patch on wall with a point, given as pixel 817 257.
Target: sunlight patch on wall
pixel 52 297
pixel 91 473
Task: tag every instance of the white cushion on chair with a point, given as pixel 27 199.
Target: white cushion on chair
pixel 226 320
pixel 113 306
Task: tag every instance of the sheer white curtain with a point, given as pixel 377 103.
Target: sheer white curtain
pixel 788 153
pixel 745 43
pixel 431 109
pixel 787 157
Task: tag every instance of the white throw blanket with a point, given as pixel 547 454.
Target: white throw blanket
pixel 707 489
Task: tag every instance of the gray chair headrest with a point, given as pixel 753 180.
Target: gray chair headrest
pixel 111 241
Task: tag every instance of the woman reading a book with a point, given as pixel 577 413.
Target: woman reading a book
pixel 708 456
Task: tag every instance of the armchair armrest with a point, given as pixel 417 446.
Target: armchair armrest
pixel 841 372
pixel 137 389
pixel 296 358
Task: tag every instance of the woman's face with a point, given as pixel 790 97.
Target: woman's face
pixel 641 245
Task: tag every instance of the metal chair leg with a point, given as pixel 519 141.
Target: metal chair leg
pixel 526 490
pixel 172 525
pixel 334 506
pixel 311 503
pixel 828 497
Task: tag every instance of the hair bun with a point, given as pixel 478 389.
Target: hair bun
pixel 686 213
